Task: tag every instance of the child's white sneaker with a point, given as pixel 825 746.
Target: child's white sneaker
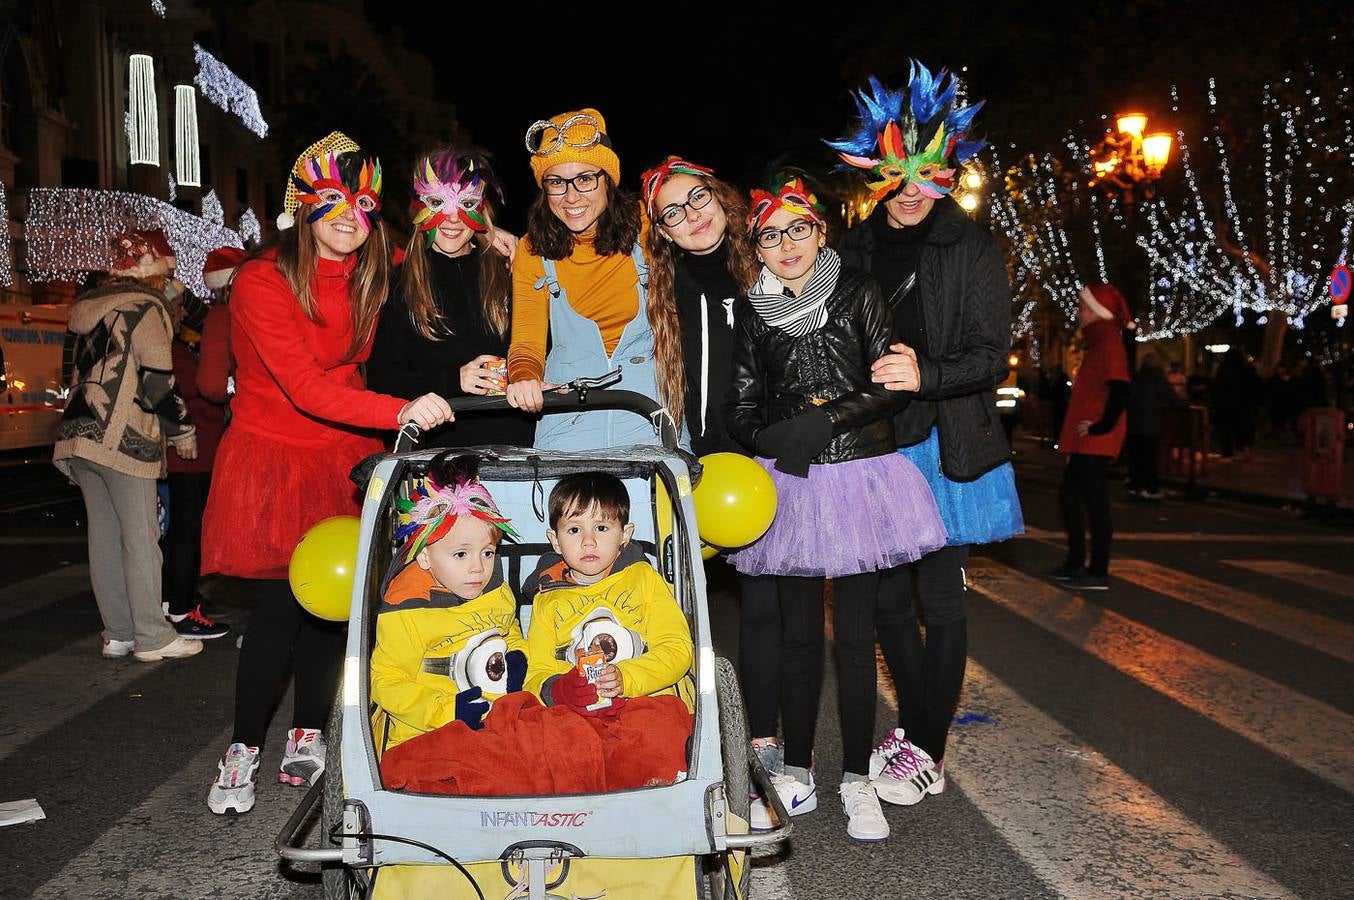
pixel 233 790
pixel 772 756
pixel 864 819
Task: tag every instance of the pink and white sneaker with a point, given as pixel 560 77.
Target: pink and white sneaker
pixel 304 760
pixel 908 775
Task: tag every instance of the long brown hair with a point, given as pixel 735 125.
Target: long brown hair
pixel 298 256
pixel 416 284
pixel 662 256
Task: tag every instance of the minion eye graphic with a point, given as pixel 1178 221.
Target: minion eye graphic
pixel 601 633
pixel 482 663
pixel 495 667
pixel 606 644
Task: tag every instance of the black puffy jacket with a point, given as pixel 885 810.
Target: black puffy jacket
pixel 777 376
pixel 966 308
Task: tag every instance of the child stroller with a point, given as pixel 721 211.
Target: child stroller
pixel 675 840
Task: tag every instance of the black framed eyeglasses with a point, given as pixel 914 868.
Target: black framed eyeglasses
pixel 798 230
pixel 583 182
pixel 675 213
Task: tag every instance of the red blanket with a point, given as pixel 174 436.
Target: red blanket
pixel 527 748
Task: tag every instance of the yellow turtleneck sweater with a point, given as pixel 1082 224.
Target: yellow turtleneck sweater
pixel 601 288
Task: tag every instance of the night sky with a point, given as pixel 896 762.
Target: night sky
pixel 736 91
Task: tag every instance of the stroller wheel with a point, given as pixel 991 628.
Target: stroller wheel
pixel 734 748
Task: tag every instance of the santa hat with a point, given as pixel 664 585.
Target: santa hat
pixel 220 266
pixel 1106 302
pixel 131 249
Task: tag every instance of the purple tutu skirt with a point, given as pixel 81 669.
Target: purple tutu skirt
pixel 865 515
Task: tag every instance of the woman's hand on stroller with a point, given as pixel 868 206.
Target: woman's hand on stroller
pixel 426 412
pixel 528 396
pixel 471 707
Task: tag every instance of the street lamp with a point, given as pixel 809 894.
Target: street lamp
pixel 1127 161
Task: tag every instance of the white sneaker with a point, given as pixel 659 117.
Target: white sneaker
pixel 175 649
pixel 888 748
pixel 864 819
pixel 233 790
pixel 799 798
pixel 909 776
pixel 773 760
pixel 117 649
pixel 304 760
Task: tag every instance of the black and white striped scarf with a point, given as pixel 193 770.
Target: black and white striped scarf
pixel 797 315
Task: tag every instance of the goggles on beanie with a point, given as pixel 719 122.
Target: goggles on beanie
pixel 579 131
pixel 457 192
pixel 794 196
pixel 321 183
pixel 431 510
pixel 652 181
pixel 915 136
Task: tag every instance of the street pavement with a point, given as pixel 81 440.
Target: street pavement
pixel 1186 734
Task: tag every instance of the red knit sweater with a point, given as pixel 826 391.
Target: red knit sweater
pixel 292 381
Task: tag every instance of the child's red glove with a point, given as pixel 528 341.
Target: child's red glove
pixel 572 689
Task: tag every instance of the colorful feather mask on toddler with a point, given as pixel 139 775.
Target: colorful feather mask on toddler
pixel 793 195
pixel 452 184
pixel 917 135
pixel 432 509
pixel 333 175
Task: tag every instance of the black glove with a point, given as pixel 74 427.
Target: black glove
pixel 517 670
pixel 471 707
pixel 793 443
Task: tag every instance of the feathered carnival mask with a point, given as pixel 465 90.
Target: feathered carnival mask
pixel 431 510
pixel 652 181
pixel 451 185
pixel 333 176
pixel 915 136
pixel 794 196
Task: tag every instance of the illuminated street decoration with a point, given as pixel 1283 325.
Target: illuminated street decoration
pixel 6 262
pixel 143 118
pixel 211 209
pixel 70 231
pixel 1272 260
pixel 249 227
pixel 187 162
pixel 224 88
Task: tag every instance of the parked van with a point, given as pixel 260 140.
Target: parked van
pixel 32 364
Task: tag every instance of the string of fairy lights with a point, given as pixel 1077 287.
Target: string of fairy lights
pixel 224 88
pixel 1271 261
pixel 70 231
pixel 6 260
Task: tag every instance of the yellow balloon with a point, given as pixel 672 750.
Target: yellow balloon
pixel 708 551
pixel 323 567
pixel 735 500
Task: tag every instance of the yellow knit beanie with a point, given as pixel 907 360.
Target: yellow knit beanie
pixel 578 136
pixel 334 142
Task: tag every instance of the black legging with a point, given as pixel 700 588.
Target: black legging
pixel 928 676
pixel 281 633
pixel 183 542
pixel 1086 487
pixel 801 610
pixel 759 652
pixel 1142 461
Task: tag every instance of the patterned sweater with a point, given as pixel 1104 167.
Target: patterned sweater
pixel 122 403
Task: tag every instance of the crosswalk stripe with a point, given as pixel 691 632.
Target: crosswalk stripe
pixel 1084 825
pixel 1176 537
pixel 1308 733
pixel 1307 576
pixel 1309 629
pixel 36 592
pixel 84 677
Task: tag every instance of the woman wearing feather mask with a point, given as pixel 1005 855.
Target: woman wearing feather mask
pixel 945 282
pixel 445 327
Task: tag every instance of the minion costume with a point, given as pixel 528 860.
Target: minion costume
pixel 630 616
pixel 440 657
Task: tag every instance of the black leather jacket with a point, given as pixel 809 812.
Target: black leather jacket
pixel 777 376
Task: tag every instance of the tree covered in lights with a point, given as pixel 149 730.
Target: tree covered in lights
pixel 1267 205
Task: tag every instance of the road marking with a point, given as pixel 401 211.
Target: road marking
pixel 85 677
pixel 1085 826
pixel 1175 537
pixel 1309 629
pixel 1308 733
pixel 1307 576
pixel 40 590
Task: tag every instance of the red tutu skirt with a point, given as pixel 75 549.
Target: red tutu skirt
pixel 266 494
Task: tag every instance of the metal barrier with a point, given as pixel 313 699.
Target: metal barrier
pixel 1323 452
pixel 1186 440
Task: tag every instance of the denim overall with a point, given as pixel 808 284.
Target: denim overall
pixel 576 349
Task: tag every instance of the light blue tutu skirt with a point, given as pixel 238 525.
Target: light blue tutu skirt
pixel 981 511
pixel 865 515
